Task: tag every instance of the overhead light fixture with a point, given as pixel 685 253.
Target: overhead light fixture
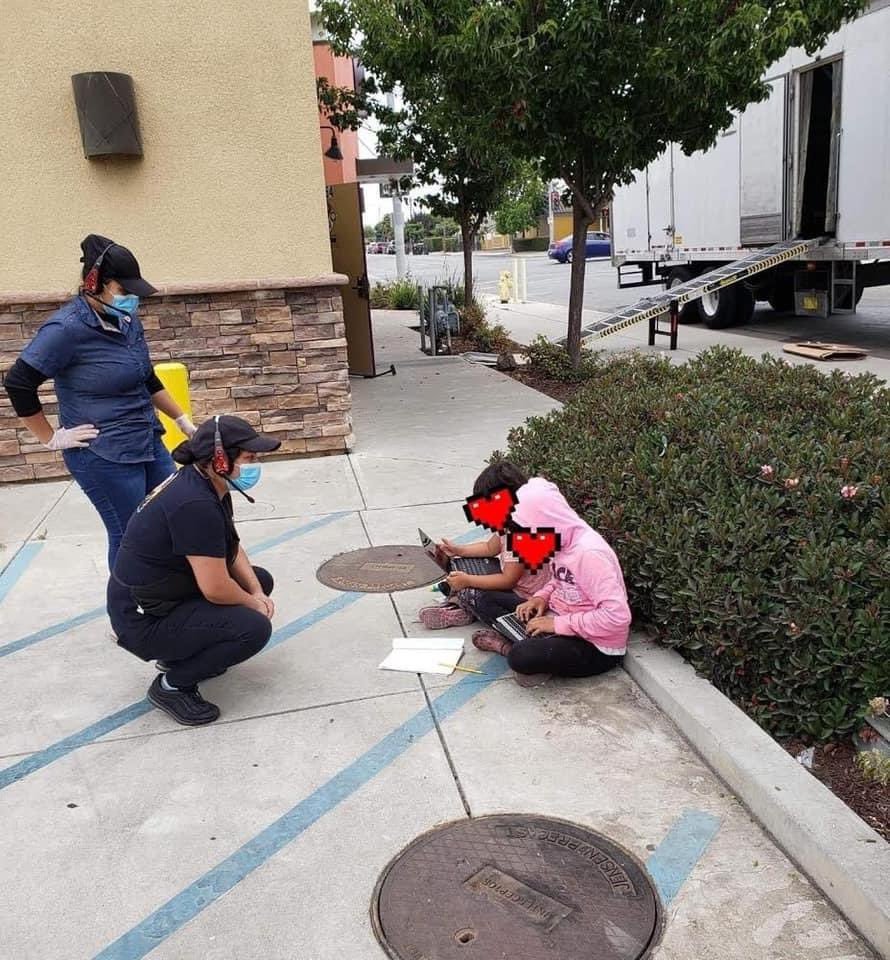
pixel 333 151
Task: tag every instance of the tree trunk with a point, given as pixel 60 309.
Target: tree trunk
pixel 580 220
pixel 468 235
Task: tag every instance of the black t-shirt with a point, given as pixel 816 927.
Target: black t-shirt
pixel 182 517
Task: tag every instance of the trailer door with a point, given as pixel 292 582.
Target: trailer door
pixel 764 168
pixel 661 202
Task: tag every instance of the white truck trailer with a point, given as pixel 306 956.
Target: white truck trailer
pixel 790 206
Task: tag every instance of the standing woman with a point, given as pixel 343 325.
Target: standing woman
pixel 93 348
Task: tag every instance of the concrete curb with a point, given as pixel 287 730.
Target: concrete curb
pixel 839 852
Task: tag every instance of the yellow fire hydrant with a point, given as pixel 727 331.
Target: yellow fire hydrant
pixel 505 286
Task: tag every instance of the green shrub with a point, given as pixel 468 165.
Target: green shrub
pixel 874 766
pixel 404 295
pixel 491 338
pixel 749 505
pixel 552 361
pixel 471 318
pixel 394 295
pixel 530 244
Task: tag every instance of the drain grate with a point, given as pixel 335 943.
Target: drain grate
pixel 518 887
pixel 380 570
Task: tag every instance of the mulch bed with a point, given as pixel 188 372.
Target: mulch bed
pixel 834 764
pixel 557 389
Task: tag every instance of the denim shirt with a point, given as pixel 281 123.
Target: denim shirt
pixel 100 379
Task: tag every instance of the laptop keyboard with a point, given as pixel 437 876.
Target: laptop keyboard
pixel 511 627
pixel 476 566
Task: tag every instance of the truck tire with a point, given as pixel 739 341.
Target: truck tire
pixel 689 311
pixel 718 310
pixel 781 298
pixel 745 305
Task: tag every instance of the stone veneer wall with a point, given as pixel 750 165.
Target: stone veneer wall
pixel 273 352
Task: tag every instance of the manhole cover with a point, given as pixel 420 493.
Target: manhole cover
pixel 517 887
pixel 380 570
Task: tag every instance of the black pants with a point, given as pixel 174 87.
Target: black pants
pixel 559 655
pixel 198 639
pixel 488 605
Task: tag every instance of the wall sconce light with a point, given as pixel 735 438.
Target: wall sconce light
pixel 106 111
pixel 333 151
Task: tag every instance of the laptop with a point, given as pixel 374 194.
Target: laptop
pixel 511 627
pixel 475 566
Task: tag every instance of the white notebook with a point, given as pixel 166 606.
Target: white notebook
pixel 425 654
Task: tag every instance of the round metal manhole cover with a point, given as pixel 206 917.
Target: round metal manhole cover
pixel 380 570
pixel 515 887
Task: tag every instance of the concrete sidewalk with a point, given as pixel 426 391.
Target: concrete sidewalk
pixel 261 837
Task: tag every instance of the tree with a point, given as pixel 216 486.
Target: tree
pixel 596 89
pixel 383 230
pixel 523 203
pixel 593 89
pixel 448 143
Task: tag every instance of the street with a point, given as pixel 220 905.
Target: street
pixel 548 283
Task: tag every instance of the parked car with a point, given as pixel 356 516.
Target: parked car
pixel 377 246
pixel 598 245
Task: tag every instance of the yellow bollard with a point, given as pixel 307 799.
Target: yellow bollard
pixel 505 286
pixel 175 378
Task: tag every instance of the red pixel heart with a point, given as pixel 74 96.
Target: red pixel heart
pixel 492 510
pixel 534 549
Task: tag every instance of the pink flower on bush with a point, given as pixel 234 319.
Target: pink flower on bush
pixel 767 472
pixel 849 491
pixel 792 483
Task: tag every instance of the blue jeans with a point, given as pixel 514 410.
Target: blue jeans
pixel 116 489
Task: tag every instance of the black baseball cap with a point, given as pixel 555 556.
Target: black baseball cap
pixel 235 433
pixel 118 263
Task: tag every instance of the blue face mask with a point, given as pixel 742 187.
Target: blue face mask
pixel 248 476
pixel 125 304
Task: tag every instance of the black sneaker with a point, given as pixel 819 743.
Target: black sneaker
pixel 185 706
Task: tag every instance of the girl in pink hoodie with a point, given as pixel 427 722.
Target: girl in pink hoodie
pixel 578 623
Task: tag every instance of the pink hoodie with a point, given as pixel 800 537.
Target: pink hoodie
pixel 586 588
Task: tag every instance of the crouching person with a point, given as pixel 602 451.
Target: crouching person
pixel 183 591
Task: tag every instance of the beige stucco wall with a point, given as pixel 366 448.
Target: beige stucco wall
pixel 231 184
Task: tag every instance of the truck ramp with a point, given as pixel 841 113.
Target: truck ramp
pixel 650 308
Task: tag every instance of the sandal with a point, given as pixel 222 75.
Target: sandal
pixel 446 615
pixel 491 642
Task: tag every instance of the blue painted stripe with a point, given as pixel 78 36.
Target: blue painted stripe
pixel 13 570
pixel 185 906
pixel 310 619
pixel 276 541
pixel 52 631
pixel 42 758
pixel 95 613
pixel 679 852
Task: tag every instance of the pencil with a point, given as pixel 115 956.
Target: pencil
pixel 462 669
